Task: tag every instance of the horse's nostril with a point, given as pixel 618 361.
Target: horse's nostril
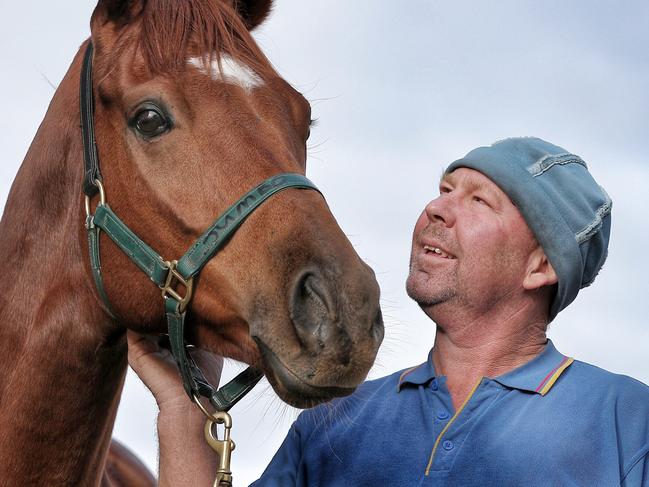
pixel 310 310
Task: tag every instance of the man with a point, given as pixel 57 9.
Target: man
pixel 518 228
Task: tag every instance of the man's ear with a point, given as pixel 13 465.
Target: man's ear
pixel 252 12
pixel 539 271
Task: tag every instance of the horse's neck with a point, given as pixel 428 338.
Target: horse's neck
pixel 62 365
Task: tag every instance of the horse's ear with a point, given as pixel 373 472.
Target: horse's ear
pixel 108 20
pixel 253 12
pixel 117 11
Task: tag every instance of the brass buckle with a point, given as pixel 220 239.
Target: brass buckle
pixel 174 278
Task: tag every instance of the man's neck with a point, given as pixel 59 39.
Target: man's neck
pixel 468 348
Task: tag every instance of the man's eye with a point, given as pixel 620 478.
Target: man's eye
pixel 477 199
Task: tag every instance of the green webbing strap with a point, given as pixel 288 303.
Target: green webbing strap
pixel 231 393
pixel 140 253
pixel 215 236
pixel 176 327
pixel 95 263
pixel 194 380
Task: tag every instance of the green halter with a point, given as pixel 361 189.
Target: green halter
pixel 168 275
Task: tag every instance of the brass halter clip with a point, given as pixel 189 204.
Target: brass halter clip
pixel 223 447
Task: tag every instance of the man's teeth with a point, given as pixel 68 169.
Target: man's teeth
pixel 438 251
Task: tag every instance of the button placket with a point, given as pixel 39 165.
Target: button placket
pixel 441 457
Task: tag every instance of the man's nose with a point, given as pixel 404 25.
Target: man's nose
pixel 440 210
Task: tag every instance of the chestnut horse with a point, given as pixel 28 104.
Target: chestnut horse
pixel 189 116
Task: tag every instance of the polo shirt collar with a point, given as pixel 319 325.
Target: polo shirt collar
pixel 538 375
pixel 419 375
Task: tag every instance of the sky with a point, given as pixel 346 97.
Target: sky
pixel 400 90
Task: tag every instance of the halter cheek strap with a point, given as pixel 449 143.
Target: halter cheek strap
pixel 87 104
pixel 170 276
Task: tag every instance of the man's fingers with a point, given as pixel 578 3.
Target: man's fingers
pixel 157 368
pixel 144 353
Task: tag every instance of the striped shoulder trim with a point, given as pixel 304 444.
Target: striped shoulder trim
pixel 547 383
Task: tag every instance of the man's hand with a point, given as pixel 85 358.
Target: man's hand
pixel 185 457
pixel 156 367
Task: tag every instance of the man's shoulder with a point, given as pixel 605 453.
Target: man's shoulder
pixel 601 379
pixel 609 392
pixel 617 405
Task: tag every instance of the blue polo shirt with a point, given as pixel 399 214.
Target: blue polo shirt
pixel 554 421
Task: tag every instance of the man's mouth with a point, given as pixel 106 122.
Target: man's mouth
pixel 438 252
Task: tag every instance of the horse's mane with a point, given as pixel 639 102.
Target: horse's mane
pixel 211 27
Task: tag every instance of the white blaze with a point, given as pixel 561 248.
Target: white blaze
pixel 232 71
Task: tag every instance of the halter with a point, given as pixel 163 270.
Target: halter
pixel 170 275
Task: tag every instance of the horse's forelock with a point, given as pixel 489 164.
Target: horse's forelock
pixel 169 30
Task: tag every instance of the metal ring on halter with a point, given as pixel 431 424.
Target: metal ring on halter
pixel 102 196
pixel 219 417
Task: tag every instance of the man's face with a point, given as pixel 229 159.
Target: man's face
pixel 470 246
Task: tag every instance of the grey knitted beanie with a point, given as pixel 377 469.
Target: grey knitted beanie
pixel 567 211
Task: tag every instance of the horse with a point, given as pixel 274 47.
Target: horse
pixel 189 115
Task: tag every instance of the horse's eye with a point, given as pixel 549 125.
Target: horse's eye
pixel 150 122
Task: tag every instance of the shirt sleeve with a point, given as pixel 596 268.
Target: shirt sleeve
pixel 638 475
pixel 282 471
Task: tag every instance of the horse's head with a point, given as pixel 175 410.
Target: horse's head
pixel 189 116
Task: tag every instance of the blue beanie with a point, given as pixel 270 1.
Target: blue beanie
pixel 567 211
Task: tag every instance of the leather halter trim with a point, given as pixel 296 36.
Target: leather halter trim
pixel 159 270
pixel 87 104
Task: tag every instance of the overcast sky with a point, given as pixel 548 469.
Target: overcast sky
pixel 400 89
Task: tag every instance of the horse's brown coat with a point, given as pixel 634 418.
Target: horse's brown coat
pixel 63 360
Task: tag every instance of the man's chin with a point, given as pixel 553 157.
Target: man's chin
pixel 423 294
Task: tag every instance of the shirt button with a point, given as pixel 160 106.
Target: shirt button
pixel 442 415
pixel 434 385
pixel 448 445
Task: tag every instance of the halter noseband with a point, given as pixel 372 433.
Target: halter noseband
pixel 169 274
